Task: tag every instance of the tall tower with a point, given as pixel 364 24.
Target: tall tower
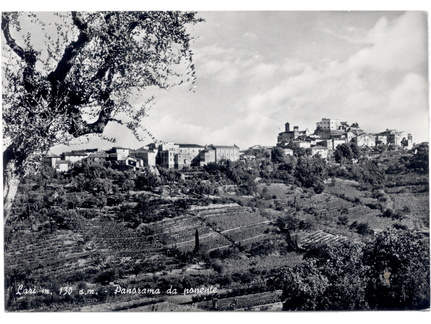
pixel 295 132
pixel 287 127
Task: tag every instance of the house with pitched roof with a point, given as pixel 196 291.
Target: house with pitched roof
pixel 98 158
pixel 62 166
pixel 148 156
pixel 225 152
pixel 322 151
pixel 74 156
pixel 188 155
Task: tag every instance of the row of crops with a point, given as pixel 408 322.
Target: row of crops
pixel 218 226
pixel 178 230
pixel 117 240
pixel 226 221
pixel 244 302
pixel 241 227
pixel 321 237
pixel 41 252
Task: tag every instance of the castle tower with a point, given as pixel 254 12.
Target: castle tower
pixel 295 132
pixel 287 127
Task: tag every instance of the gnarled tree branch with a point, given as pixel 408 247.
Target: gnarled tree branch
pixel 72 50
pixel 80 127
pixel 10 41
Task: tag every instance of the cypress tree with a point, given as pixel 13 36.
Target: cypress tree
pixel 196 241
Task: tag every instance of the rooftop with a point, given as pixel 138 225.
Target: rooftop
pixel 120 148
pixel 141 150
pixel 75 153
pixel 98 155
pixel 189 145
pixel 225 146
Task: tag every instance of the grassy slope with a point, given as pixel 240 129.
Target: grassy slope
pixel 108 243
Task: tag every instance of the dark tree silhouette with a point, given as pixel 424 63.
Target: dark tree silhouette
pixel 197 241
pixel 79 73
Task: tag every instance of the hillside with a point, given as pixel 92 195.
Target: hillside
pixel 97 239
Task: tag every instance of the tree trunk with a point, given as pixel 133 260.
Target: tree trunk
pixel 11 182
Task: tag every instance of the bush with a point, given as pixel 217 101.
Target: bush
pixel 400 226
pixel 389 213
pixel 319 187
pixel 223 254
pixel 363 229
pixel 107 276
pixel 289 223
pixel 342 220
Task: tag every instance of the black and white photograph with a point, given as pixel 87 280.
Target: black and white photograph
pixel 215 161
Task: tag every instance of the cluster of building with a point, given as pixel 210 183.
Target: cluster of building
pixel 168 155
pixel 330 133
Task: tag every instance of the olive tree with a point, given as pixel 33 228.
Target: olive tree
pixel 67 75
pixel 398 271
pixel 390 272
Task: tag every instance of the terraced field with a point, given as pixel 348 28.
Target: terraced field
pixel 219 226
pixel 320 237
pixel 49 255
pixel 116 240
pixel 246 302
pixel 247 234
pixel 180 232
pixel 239 225
pixel 348 188
pixel 255 248
pixel 65 252
pixel 232 219
pixel 417 205
pixel 261 263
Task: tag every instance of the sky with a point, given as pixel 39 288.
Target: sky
pixel 257 70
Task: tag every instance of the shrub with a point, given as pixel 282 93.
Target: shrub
pixel 342 220
pixel 363 229
pixel 319 187
pixel 400 226
pixel 107 276
pixel 388 213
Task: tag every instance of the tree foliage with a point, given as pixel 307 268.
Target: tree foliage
pixel 346 152
pixel 420 160
pixel 277 155
pixel 398 272
pixel 67 75
pixel 311 172
pixel 390 272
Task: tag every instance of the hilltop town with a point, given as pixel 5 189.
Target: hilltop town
pixel 188 227
pixel 328 135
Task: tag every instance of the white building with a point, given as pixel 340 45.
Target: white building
pixel 328 124
pixel 74 156
pixel 225 152
pixel 320 150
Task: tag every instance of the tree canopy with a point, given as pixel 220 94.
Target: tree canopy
pixel 70 74
pixel 390 272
